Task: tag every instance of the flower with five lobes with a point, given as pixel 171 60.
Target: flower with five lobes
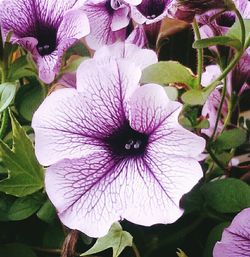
pixel 115 149
pixel 46 28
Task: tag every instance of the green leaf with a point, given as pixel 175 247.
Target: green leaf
pixel 180 253
pixel 6 202
pixel 194 97
pixel 25 174
pixel 218 40
pixel 16 250
pixel 213 237
pixel 20 68
pixel 172 93
pixel 167 72
pixel 230 139
pixel 47 212
pixel 116 239
pixel 24 207
pixel 235 31
pixel 29 98
pixel 7 93
pixel 227 195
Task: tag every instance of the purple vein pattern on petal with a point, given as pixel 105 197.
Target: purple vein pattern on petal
pixel 235 240
pixel 37 26
pixel 100 15
pixel 63 129
pixel 106 89
pixel 153 113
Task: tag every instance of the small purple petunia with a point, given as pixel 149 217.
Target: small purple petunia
pixel 110 21
pixel 235 241
pixel 115 148
pixel 46 28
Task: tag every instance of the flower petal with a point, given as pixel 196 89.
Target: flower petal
pixel 91 193
pixel 46 65
pixel 120 18
pixel 154 114
pixel 157 185
pixel 100 19
pixel 106 89
pixel 235 240
pixel 131 52
pixel 74 25
pixel 88 193
pixel 62 129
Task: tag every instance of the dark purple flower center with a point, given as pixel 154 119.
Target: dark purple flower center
pixel 226 19
pixel 152 8
pixel 127 142
pixel 109 8
pixel 47 39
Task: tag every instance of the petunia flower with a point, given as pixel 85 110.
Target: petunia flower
pixel 150 13
pixel 221 23
pixel 110 21
pixel 115 148
pixel 211 106
pixel 46 28
pixel 187 9
pixel 235 241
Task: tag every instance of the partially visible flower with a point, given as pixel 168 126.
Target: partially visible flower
pixel 116 149
pixel 150 11
pixel 210 108
pixel 187 9
pixel 150 14
pixel 46 28
pixel 235 241
pixel 138 37
pixel 214 24
pixel 109 21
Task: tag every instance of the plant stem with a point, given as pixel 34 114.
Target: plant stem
pixel 231 65
pixel 199 53
pixel 4 123
pixel 242 26
pixel 136 251
pixel 224 91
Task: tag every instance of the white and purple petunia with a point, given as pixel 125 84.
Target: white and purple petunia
pixel 46 28
pixel 115 149
pixel 110 21
pixel 235 241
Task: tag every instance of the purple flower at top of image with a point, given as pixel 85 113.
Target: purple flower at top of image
pixel 46 28
pixel 115 149
pixel 214 24
pixel 235 241
pixel 110 21
pixel 150 11
pixel 187 9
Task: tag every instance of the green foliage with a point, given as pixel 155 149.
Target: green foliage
pixel 218 40
pixel 47 213
pixel 235 31
pixel 16 250
pixel 117 239
pixel 230 139
pixel 168 72
pixel 24 207
pixel 25 174
pixel 213 237
pixel 28 98
pixel 226 195
pixel 194 97
pixel 7 94
pixel 180 253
